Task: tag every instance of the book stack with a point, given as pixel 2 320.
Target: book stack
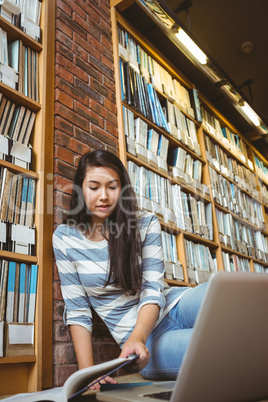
pixel 16 127
pixel 140 95
pixel 185 168
pixel 153 191
pixel 173 267
pixel 17 210
pixel 259 268
pixel 30 18
pixel 234 263
pixel 261 169
pixel 200 262
pixel 25 61
pixel 18 283
pixel 192 215
pixel 180 126
pixel 230 167
pixel 144 142
pixel 8 74
pixel 10 10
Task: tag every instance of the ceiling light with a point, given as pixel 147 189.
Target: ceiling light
pixel 191 46
pixel 251 114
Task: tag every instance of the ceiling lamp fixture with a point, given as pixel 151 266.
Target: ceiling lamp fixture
pixel 191 46
pixel 251 114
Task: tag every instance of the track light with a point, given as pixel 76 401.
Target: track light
pixel 251 114
pixel 191 46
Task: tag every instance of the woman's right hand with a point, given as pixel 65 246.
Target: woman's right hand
pixel 106 380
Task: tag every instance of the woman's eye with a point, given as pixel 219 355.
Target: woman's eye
pixel 93 188
pixel 113 188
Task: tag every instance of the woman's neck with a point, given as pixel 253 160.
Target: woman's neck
pixel 96 232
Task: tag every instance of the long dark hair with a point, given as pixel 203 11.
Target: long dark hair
pixel 124 239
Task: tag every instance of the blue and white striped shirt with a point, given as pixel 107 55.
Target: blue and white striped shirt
pixel 83 267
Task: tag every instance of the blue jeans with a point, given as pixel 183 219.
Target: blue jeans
pixel 169 340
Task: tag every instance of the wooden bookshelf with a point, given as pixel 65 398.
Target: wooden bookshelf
pixel 32 373
pixel 229 150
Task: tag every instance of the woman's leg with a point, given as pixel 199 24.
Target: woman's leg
pixel 169 340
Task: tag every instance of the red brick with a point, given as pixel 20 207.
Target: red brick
pixel 63 74
pixel 62 332
pixel 58 310
pixel 61 373
pixel 62 27
pixel 63 98
pixel 64 353
pixel 57 291
pixel 110 105
pixel 111 128
pixel 63 184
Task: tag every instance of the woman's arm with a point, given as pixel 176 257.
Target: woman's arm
pixel 146 320
pixel 82 341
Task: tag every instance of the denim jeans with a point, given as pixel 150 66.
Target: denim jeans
pixel 168 341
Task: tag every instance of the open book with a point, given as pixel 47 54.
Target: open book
pixel 76 384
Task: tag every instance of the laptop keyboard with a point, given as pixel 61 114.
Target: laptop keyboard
pixel 163 396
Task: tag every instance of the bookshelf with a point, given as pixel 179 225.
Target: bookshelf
pixel 226 221
pixel 23 372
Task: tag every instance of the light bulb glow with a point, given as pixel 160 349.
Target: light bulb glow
pixel 251 114
pixel 191 46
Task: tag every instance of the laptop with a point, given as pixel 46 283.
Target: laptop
pixel 227 358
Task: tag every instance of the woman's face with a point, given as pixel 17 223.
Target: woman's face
pixel 101 189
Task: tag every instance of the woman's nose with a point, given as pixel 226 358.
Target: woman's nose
pixel 103 194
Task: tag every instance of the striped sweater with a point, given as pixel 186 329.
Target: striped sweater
pixel 83 267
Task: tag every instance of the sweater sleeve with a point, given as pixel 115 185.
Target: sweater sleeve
pixel 77 304
pixel 152 266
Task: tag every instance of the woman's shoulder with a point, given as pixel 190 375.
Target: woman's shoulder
pixel 64 231
pixel 146 219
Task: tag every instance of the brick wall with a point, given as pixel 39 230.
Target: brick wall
pixel 85 119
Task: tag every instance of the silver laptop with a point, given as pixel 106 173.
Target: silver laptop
pixel 227 358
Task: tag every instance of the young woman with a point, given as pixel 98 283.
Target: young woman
pixel 109 257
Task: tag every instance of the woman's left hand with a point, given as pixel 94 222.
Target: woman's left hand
pixel 136 347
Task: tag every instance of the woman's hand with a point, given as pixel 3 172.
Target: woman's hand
pixel 133 346
pixel 106 380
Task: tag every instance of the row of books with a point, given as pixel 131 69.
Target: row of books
pixel 264 194
pixel 194 216
pixel 259 268
pixel 201 263
pixel 131 52
pixel 231 141
pixel 261 169
pixel 144 142
pixel 16 121
pixel 229 166
pixel 240 237
pixel 7 74
pixel 17 198
pixel 173 267
pixel 18 284
pixel 25 61
pixel 234 263
pixel 24 14
pixel 185 168
pixel 230 196
pixel 142 96
pixel 180 126
pixel 158 195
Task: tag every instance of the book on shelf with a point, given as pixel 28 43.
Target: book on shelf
pixel 200 262
pixel 77 383
pixel 234 263
pixel 10 10
pixel 173 267
pixel 17 302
